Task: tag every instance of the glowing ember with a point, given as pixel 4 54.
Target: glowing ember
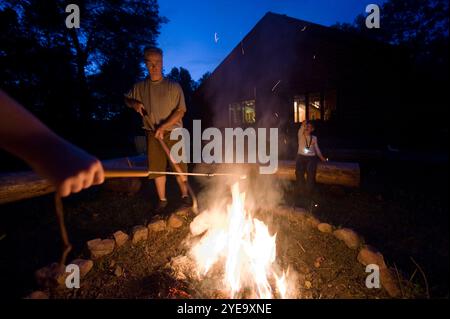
pixel 243 246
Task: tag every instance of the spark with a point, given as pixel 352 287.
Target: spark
pixel 274 87
pixel 216 37
pixel 242 48
pixel 304 28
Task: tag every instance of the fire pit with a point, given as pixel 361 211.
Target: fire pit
pixel 232 251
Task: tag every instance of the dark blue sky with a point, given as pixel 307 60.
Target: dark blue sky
pixel 188 38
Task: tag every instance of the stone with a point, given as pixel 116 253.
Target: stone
pixel 318 262
pixel 284 211
pixel 308 284
pixel 390 283
pixel 369 255
pixel 157 226
pixel 313 221
pixel 85 265
pixel 37 295
pixel 174 221
pixel 140 233
pixel 118 272
pixel 182 268
pixel 51 275
pixel 183 212
pixel 348 236
pixel 300 212
pixel 100 248
pixel 325 228
pixel 120 237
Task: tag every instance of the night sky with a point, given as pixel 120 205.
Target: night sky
pixel 188 40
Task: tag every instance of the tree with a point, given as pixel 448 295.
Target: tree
pixel 101 55
pixel 203 78
pixel 184 78
pixel 421 26
pixel 421 29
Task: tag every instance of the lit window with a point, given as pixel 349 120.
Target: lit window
pixel 299 109
pixel 314 107
pixel 242 112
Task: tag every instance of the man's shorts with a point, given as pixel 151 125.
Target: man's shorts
pixel 157 158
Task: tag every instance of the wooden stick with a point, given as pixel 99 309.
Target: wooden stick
pixel 423 275
pixel 116 173
pixel 399 281
pixel 67 247
pixel 413 274
pixel 179 170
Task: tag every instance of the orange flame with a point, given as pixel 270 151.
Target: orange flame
pixel 245 248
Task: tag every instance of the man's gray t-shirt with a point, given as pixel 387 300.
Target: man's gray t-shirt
pixel 160 100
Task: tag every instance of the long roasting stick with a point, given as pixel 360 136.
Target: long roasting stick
pixel 177 168
pixel 115 173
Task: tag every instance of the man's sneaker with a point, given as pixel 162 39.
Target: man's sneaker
pixel 161 207
pixel 186 202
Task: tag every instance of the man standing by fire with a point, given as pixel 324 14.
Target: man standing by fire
pixel 161 104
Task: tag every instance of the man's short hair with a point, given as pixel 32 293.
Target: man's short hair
pixel 150 50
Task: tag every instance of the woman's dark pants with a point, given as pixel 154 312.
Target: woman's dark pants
pixel 308 165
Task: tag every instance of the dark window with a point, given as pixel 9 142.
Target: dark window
pixel 329 104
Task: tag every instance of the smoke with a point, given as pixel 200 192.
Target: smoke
pixel 263 191
pixel 264 66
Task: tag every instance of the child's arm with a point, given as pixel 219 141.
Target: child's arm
pixel 318 152
pixel 67 167
pixel 302 128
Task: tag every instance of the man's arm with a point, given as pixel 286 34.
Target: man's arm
pixel 176 115
pixel 133 99
pixel 135 104
pixel 173 118
pixel 66 166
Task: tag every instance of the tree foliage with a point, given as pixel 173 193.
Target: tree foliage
pixel 77 73
pixel 420 26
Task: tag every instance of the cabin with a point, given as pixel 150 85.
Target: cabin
pixel 286 70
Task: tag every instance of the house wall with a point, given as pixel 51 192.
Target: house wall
pixel 277 61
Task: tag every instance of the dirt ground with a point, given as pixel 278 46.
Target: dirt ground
pixel 145 274
pixel 402 220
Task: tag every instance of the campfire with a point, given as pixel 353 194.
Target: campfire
pixel 237 250
pixel 238 246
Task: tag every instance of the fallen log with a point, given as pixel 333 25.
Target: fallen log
pixel 23 185
pixel 333 173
